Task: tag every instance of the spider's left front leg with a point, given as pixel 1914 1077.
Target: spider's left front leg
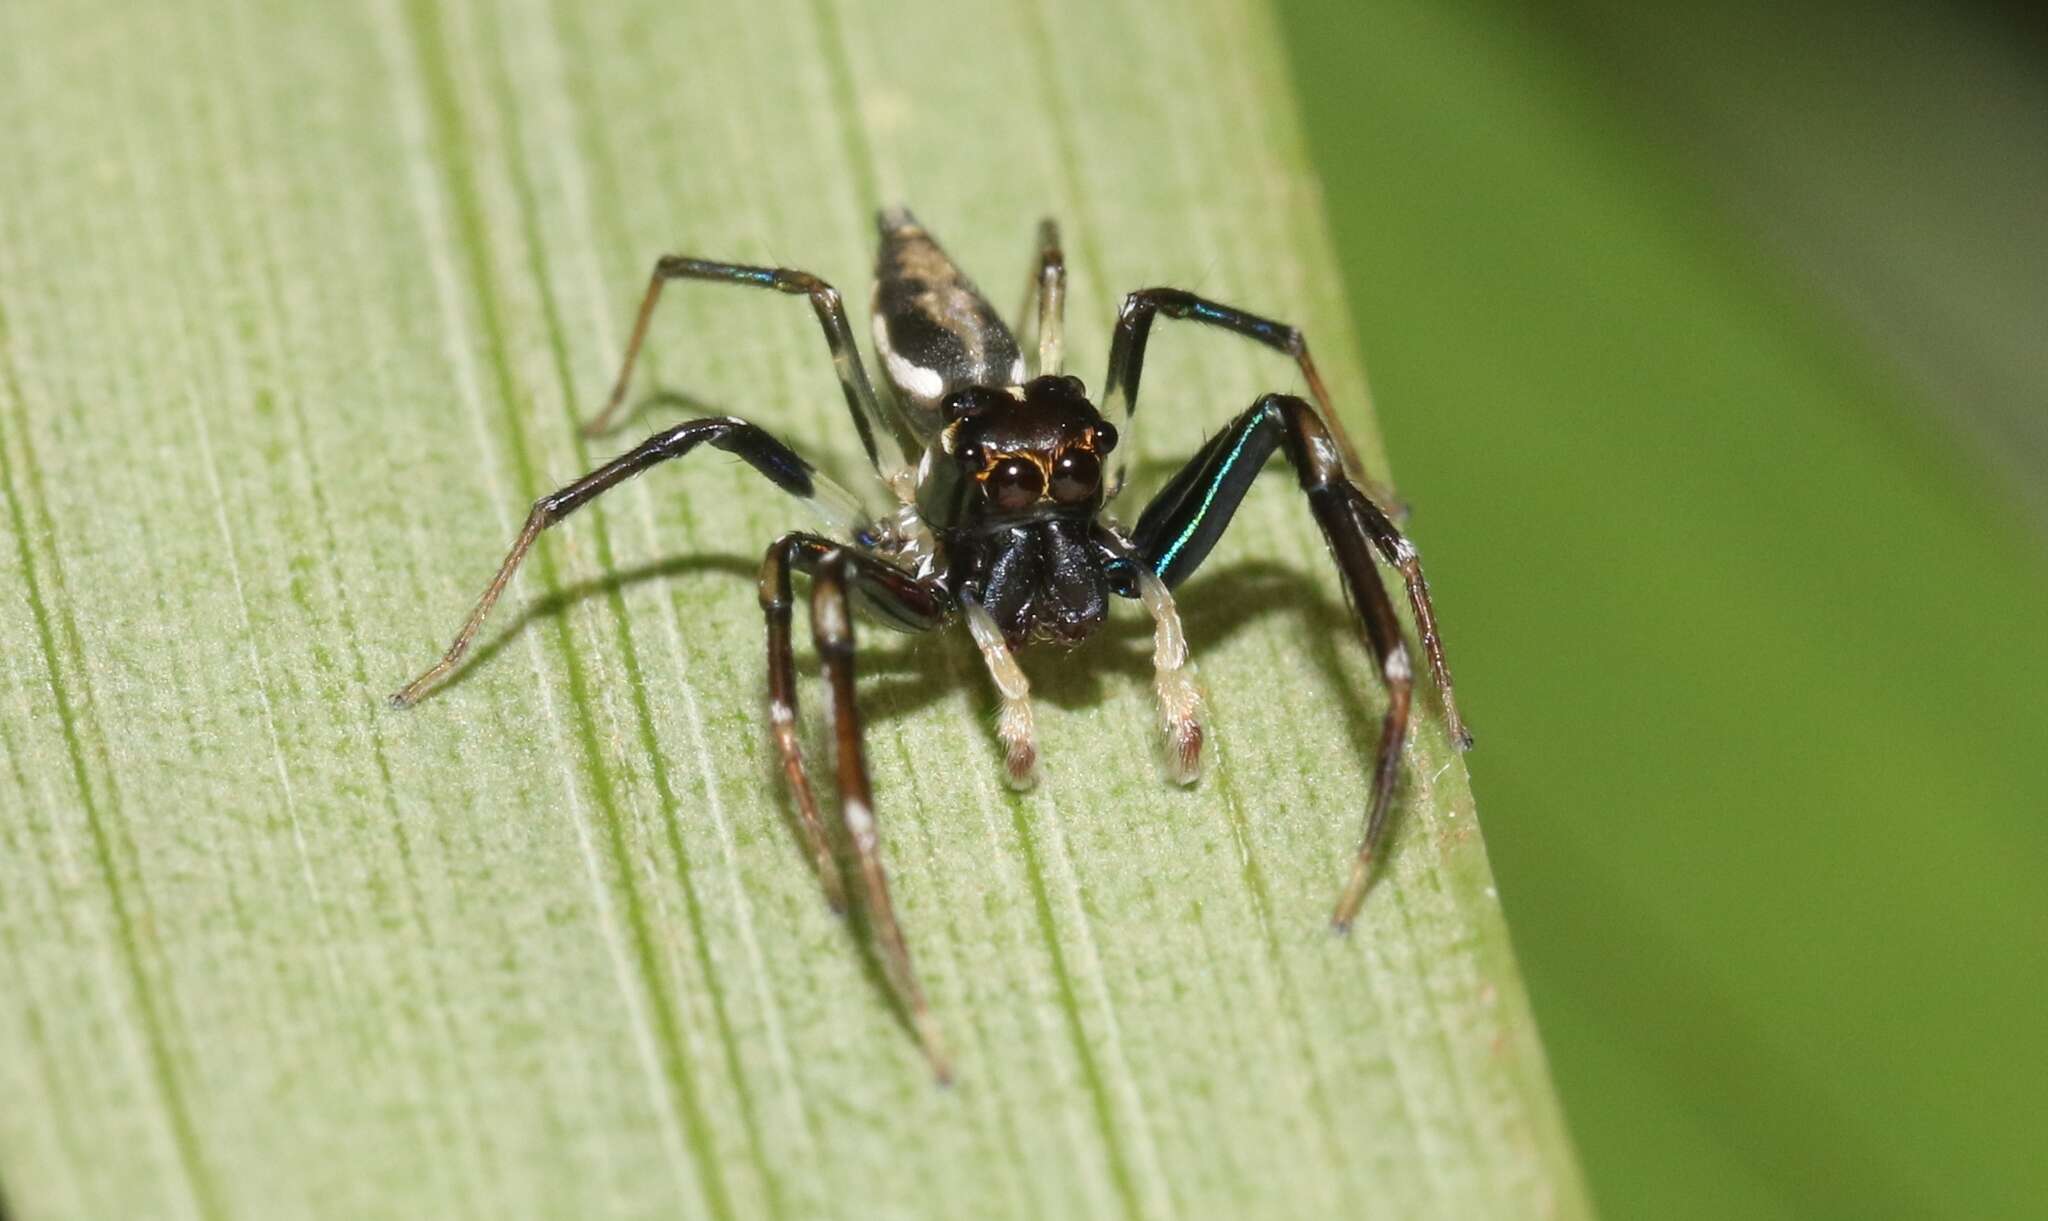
pixel 837 572
pixel 1189 514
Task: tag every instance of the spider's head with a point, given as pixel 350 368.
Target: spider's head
pixel 1026 452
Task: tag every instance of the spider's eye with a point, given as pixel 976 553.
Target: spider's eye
pixel 1073 386
pixel 1075 476
pixel 1105 437
pixel 970 456
pixel 1013 485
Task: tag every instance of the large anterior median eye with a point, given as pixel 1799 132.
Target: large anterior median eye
pixel 1075 476
pixel 1013 485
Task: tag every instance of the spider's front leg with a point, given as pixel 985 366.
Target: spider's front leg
pixel 836 573
pixel 1189 514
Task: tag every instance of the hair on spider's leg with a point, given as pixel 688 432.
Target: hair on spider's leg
pixel 1127 365
pixel 1045 300
pixel 869 415
pixel 1180 699
pixel 757 447
pixel 832 630
pixel 1013 716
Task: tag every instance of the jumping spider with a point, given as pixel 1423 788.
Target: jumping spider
pixel 1000 482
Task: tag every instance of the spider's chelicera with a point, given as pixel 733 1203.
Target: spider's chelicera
pixel 999 481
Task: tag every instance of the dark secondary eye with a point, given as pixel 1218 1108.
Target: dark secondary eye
pixel 1075 476
pixel 1105 436
pixel 1014 485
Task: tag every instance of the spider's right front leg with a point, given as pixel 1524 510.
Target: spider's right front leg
pixel 836 571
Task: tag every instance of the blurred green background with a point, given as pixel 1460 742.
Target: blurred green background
pixel 1709 343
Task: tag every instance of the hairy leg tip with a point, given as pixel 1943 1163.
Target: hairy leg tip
pixel 1020 767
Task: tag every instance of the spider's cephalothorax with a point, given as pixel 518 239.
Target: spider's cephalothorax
pixel 1000 475
pixel 1012 488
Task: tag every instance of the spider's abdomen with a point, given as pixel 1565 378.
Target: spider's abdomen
pixel 1042 582
pixel 933 329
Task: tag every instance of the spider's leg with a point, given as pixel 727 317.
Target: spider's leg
pixel 1047 292
pixel 761 450
pixel 1013 718
pixel 889 591
pixel 1127 365
pixel 836 572
pixel 1184 520
pixel 869 418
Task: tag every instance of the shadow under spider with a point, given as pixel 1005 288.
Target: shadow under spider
pixel 902 674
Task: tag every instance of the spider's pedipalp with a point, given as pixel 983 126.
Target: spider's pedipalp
pixel 1180 699
pixel 1013 717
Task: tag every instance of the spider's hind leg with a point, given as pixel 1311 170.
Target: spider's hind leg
pixel 1045 300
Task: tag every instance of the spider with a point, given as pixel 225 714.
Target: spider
pixel 1000 483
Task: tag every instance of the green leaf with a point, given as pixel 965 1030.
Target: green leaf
pixel 298 310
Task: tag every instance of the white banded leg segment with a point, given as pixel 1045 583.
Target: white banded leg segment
pixel 1180 699
pixel 1013 717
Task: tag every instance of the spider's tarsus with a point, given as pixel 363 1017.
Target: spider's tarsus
pixel 1354 893
pixel 934 1049
pixel 1020 768
pixel 1184 752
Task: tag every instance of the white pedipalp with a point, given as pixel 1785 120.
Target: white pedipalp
pixel 1180 699
pixel 1014 726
